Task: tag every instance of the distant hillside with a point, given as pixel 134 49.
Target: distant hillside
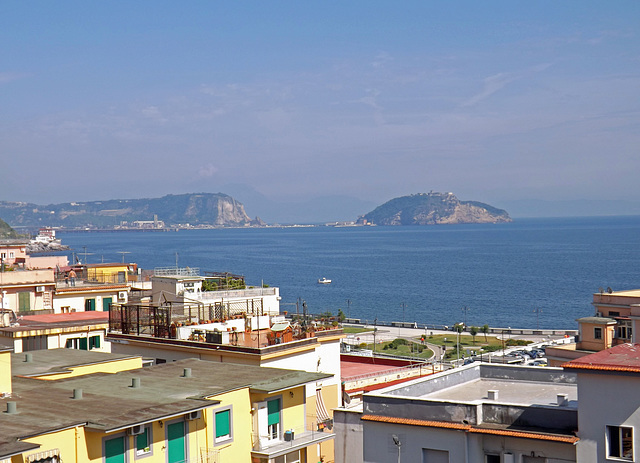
pixel 432 209
pixel 6 231
pixel 196 209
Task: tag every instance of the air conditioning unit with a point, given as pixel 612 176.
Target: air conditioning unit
pixel 122 295
pixel 39 289
pixel 194 415
pixel 137 429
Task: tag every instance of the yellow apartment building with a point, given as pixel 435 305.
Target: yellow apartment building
pixel 87 407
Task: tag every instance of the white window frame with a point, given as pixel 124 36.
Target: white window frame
pixel 618 428
pixel 229 437
pixel 144 453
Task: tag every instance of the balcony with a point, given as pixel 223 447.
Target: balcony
pixel 291 439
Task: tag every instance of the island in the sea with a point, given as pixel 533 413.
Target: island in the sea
pixel 432 209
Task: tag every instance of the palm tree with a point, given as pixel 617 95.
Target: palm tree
pixel 485 330
pixel 473 331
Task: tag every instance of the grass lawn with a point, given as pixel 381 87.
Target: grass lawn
pixel 467 342
pixel 355 329
pixel 402 348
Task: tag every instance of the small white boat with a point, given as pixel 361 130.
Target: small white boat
pixel 324 281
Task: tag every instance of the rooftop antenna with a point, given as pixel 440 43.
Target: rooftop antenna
pixel 125 252
pixel 176 261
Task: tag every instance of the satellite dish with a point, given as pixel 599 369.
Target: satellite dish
pixel 609 290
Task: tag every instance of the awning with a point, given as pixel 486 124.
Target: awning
pixel 321 410
pixel 48 455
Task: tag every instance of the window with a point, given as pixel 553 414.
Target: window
pixel 620 442
pixel 597 333
pixel 89 305
pixel 34 343
pixel 77 343
pixel 106 304
pixel 223 425
pixel 94 342
pixel 114 450
pixel 24 301
pixel 493 458
pixel 11 255
pixel 624 330
pixel 273 420
pixel 291 457
pixel 143 442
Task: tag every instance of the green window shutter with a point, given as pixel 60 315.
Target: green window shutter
pixel 24 301
pixel 94 342
pixel 106 304
pixel 83 344
pixel 89 305
pixel 273 410
pixel 223 423
pixel 142 440
pixel 69 344
pixel 114 450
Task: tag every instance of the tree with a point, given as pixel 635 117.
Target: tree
pixel 485 330
pixel 473 331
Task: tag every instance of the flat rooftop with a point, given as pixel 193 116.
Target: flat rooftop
pixel 509 391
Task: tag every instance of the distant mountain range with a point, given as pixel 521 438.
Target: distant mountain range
pixel 432 209
pixel 195 209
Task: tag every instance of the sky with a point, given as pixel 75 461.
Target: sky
pixel 494 101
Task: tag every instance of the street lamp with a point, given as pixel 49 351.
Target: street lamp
pixel 465 309
pixel 398 444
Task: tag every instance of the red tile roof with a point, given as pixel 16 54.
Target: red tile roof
pixel 623 357
pixel 469 428
pixel 66 317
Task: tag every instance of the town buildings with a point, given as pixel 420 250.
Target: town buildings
pixel 615 321
pixel 105 408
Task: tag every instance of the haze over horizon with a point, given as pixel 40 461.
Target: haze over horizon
pixel 495 102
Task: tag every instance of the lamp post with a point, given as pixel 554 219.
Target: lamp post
pixel 465 309
pixel 537 312
pixel 349 308
pixel 375 330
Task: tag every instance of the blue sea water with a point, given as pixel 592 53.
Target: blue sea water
pixel 529 273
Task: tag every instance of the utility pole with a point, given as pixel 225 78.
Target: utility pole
pixel 349 308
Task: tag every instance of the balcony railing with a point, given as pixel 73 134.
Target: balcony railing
pixel 293 438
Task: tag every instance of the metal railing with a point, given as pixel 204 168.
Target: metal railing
pixel 293 436
pixel 177 271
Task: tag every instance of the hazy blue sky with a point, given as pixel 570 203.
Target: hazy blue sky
pixel 490 100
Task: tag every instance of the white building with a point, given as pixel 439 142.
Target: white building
pixel 478 413
pixel 609 407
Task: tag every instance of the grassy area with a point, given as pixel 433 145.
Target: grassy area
pixel 355 329
pixel 402 348
pixel 474 346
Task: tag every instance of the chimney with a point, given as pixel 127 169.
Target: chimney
pixel 492 394
pixel 77 394
pixel 563 400
pixel 186 373
pixel 135 383
pixel 12 408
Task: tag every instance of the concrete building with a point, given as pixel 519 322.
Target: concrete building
pixel 478 413
pixel 79 330
pixel 615 321
pixel 609 406
pixel 185 286
pixel 86 296
pixel 186 411
pixel 27 291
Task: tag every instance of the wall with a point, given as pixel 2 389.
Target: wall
pixel 606 399
pixel 349 437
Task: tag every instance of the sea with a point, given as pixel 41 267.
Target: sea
pixel 531 273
